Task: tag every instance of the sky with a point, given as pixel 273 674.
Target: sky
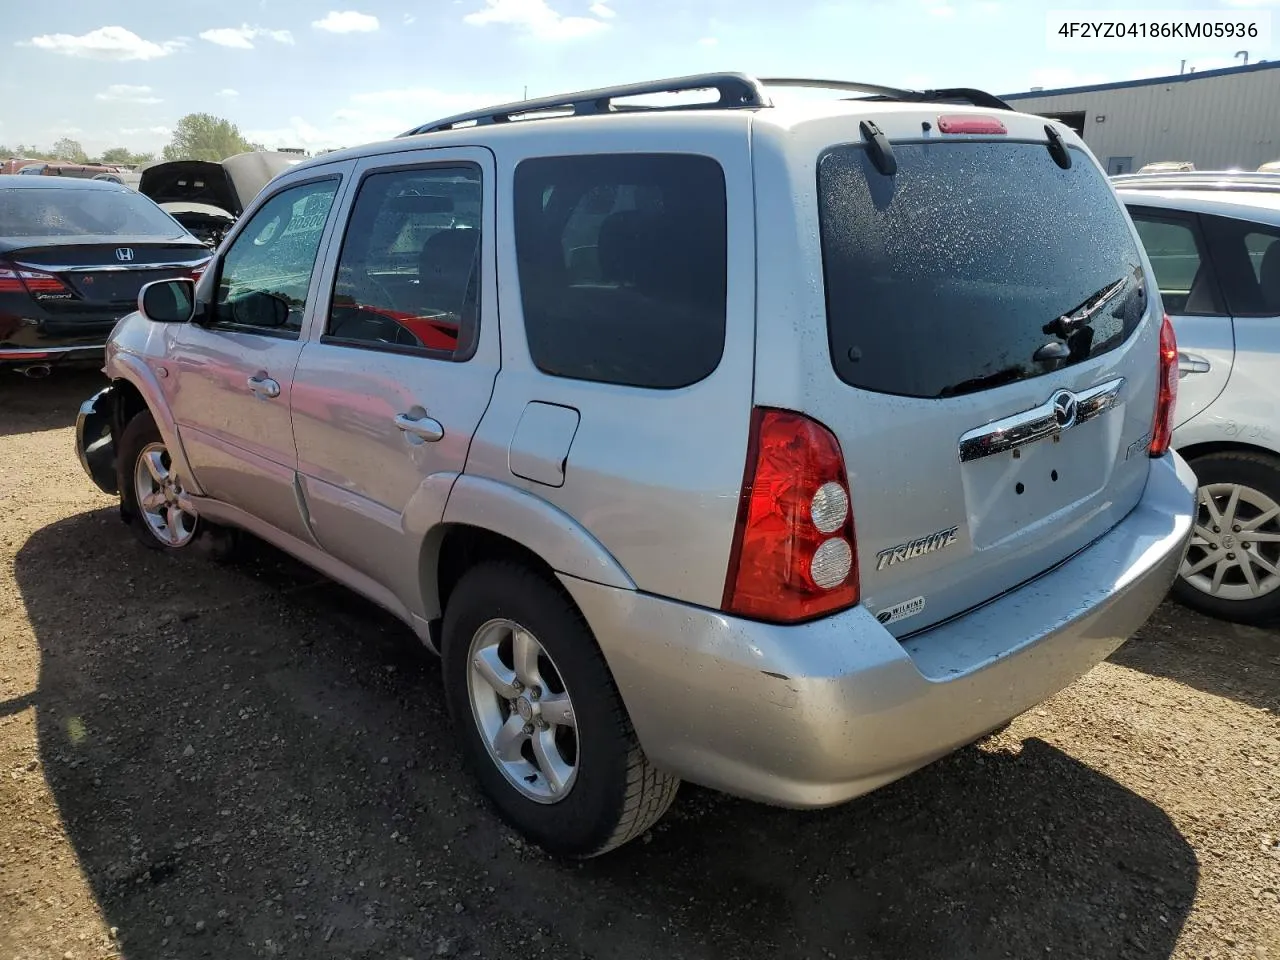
pixel 312 74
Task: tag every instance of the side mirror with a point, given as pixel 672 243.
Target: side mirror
pixel 168 301
pixel 260 309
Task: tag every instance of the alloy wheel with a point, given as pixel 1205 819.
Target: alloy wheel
pixel 1235 548
pixel 523 711
pixel 164 505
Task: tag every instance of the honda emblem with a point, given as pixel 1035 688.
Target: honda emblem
pixel 124 254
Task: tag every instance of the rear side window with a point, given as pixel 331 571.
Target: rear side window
pixel 623 266
pixel 1181 270
pixel 409 272
pixel 62 212
pixel 1248 260
pixel 947 277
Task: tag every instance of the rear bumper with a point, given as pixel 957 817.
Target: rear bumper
pixel 78 355
pixel 816 714
pixel 95 443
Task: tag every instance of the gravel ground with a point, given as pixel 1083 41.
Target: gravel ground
pixel 246 761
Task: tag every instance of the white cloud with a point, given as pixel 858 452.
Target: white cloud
pixel 105 43
pixel 128 93
pixel 347 21
pixel 228 93
pixel 409 19
pixel 603 11
pixel 242 37
pixel 1252 3
pixel 944 11
pixel 535 17
pixel 709 42
pixel 374 115
pixel 154 131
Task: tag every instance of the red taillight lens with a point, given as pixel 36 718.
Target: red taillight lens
pixel 965 123
pixel 14 279
pixel 794 555
pixel 1162 428
pixel 9 282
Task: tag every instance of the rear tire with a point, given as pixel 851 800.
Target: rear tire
pixel 1227 573
pixel 504 622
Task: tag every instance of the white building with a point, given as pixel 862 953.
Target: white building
pixel 1217 119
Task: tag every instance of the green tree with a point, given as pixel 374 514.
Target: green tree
pixel 202 136
pixel 117 155
pixel 69 150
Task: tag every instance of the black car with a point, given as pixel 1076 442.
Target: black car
pixel 73 255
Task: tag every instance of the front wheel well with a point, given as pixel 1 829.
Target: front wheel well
pixel 129 403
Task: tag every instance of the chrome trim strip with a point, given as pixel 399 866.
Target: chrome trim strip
pixel 1039 423
pixel 113 267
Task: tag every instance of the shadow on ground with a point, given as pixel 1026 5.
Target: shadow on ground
pixel 27 405
pixel 1225 659
pixel 251 762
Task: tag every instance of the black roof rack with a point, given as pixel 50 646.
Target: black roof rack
pixel 875 91
pixel 736 91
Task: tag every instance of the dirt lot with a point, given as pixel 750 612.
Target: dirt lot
pixel 246 761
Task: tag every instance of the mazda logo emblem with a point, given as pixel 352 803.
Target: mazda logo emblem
pixel 124 254
pixel 1064 408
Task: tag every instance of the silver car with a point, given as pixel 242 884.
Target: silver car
pixel 779 449
pixel 1214 244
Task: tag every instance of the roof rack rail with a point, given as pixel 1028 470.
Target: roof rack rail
pixel 978 98
pixel 737 91
pixel 1244 181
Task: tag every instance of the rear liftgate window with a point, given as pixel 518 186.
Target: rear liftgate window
pixel 976 264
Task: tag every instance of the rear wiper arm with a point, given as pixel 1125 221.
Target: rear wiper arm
pixel 1075 318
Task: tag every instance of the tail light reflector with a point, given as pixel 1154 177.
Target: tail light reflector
pixel 794 556
pixel 1167 396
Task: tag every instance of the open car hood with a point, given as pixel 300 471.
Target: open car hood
pixel 230 185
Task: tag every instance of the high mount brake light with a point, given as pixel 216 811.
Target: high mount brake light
pixel 794 555
pixel 969 123
pixel 1167 396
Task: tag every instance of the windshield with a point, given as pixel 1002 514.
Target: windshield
pixel 69 212
pixel 978 263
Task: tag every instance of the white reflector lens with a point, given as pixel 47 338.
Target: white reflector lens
pixel 829 508
pixel 831 563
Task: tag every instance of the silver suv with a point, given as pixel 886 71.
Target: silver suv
pixel 779 449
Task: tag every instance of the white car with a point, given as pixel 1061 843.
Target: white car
pixel 1214 244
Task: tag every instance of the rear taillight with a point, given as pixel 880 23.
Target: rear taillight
pixel 15 279
pixel 794 555
pixel 1162 427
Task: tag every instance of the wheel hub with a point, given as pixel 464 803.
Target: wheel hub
pixel 522 711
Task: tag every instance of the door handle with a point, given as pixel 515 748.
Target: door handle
pixel 1189 363
pixel 424 428
pixel 264 386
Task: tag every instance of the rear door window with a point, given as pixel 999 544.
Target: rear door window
pixel 1247 255
pixel 623 265
pixel 1182 272
pixel 949 276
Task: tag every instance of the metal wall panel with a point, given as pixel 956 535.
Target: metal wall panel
pixel 1216 122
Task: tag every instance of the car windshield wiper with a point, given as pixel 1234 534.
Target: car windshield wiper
pixel 1078 316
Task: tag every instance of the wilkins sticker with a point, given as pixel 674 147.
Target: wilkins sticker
pixel 908 608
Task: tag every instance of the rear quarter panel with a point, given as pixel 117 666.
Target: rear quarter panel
pixel 652 475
